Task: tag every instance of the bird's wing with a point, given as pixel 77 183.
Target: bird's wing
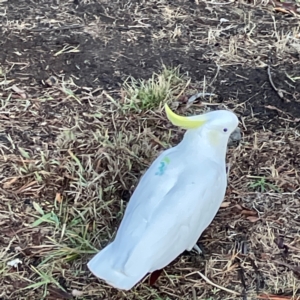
pixel 158 180
pixel 170 208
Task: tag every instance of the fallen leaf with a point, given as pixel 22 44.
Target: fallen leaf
pixel 225 204
pixel 248 212
pixel 238 207
pixel 252 219
pixel 58 197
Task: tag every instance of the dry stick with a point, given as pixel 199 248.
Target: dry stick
pixel 194 293
pixel 293 268
pixel 214 3
pixel 67 27
pixel 275 297
pixel 187 84
pixel 216 75
pixel 198 95
pixel 218 286
pixel 278 91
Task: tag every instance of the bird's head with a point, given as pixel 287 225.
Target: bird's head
pixel 216 125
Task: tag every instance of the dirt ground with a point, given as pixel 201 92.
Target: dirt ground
pixel 71 156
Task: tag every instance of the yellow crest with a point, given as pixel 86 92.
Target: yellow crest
pixel 184 122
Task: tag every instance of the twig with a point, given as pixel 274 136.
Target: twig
pixel 259 278
pixel 218 286
pixel 275 297
pixel 293 268
pixel 241 276
pixel 216 75
pixel 220 3
pixel 278 91
pixel 198 95
pixel 288 115
pixel 10 193
pixel 67 27
pixel 194 293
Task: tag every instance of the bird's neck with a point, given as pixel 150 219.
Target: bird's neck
pixel 198 143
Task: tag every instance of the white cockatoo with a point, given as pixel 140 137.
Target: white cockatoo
pixel 174 202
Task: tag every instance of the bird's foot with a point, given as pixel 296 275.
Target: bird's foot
pixel 197 249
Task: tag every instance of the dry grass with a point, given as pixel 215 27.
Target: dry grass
pixel 63 197
pixel 67 190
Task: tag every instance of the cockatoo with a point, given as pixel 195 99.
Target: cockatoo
pixel 175 201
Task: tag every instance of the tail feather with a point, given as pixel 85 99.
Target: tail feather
pixel 102 266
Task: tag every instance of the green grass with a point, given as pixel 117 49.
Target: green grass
pixel 149 94
pixel 262 185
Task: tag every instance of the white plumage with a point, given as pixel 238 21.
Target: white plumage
pixel 174 202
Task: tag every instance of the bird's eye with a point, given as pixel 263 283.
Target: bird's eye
pixel 225 129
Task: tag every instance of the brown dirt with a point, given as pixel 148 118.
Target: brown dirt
pixel 104 42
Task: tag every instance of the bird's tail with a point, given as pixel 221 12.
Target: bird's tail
pixel 103 265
